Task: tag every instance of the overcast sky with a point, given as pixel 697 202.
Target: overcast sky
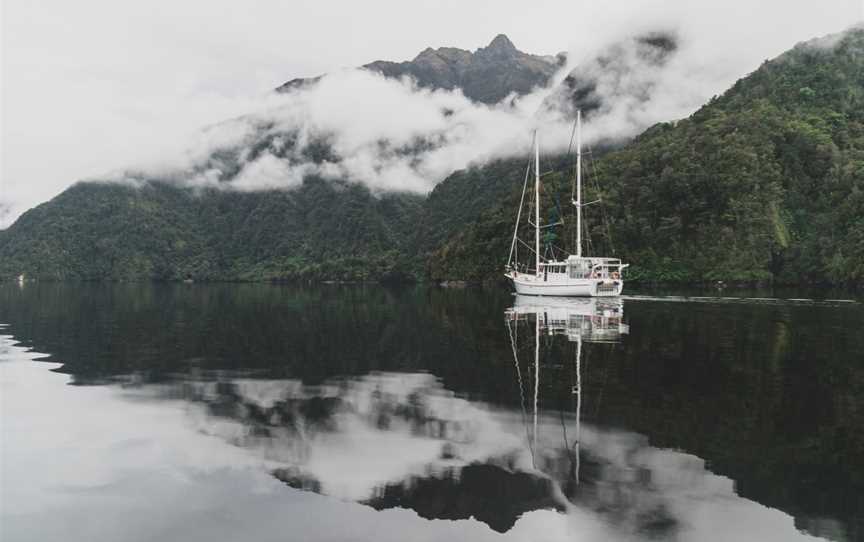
pixel 92 86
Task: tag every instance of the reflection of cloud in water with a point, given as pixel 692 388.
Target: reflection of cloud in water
pixel 352 436
pixel 402 440
pixel 107 463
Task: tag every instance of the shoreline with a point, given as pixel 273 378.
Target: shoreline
pixel 729 290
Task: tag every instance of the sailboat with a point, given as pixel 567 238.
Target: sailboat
pixel 575 275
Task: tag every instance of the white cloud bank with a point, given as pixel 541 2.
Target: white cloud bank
pixel 382 132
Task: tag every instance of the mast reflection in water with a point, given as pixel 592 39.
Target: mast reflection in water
pixel 577 319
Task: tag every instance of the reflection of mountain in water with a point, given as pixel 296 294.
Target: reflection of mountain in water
pixel 401 440
pixel 493 494
pixel 770 396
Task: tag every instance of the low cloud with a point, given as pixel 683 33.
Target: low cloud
pixel 359 126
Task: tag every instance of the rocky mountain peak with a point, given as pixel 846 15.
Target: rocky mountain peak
pixel 487 75
pixel 427 52
pixel 500 46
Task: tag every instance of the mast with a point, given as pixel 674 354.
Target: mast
pixel 578 183
pixel 513 252
pixel 537 202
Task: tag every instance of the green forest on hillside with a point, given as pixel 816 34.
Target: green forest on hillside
pixel 322 230
pixel 764 183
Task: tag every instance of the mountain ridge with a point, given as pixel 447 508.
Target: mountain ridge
pixel 487 75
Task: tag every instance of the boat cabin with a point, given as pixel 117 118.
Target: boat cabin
pixel 576 267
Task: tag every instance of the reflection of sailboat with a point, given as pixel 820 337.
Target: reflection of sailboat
pixel 579 319
pixel 588 319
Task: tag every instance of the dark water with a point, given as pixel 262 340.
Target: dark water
pixel 220 412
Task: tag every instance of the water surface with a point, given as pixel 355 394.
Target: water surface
pixel 203 412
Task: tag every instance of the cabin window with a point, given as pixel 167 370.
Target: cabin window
pixel 578 270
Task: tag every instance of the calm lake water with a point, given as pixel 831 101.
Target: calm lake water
pixel 261 412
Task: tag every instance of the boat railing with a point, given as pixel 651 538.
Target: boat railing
pixel 597 268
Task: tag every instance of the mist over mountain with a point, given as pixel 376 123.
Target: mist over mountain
pixel 330 180
pixel 407 126
pixel 136 105
pixel 626 71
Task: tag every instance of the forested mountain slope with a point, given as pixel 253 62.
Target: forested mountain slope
pixel 321 230
pixel 765 182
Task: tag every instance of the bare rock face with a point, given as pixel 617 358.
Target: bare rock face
pixel 487 75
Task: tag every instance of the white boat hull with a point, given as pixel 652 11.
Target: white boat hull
pixel 531 285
